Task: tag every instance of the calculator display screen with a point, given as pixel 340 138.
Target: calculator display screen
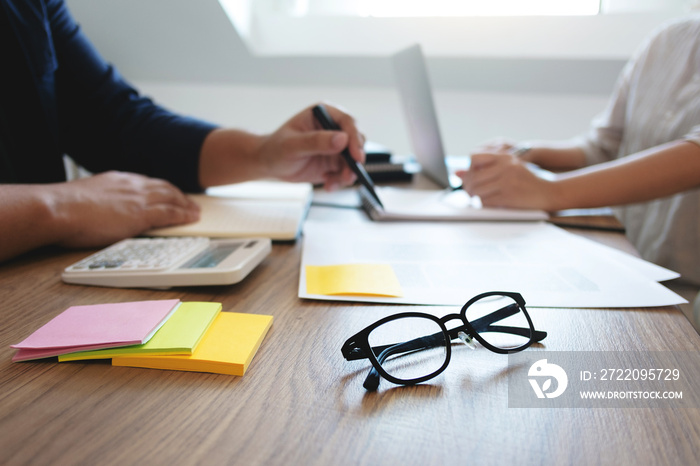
pixel 212 256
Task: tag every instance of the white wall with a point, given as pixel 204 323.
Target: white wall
pixel 466 118
pixel 187 55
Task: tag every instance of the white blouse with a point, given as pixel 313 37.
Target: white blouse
pixel 656 101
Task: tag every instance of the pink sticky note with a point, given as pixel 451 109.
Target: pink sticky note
pixel 80 328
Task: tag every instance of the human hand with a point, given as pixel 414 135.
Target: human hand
pixel 301 150
pixel 108 207
pixel 500 179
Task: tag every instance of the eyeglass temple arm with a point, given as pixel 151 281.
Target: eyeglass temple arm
pixel 538 336
pixel 372 380
pixel 353 353
pixel 484 324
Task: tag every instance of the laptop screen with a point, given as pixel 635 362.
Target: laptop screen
pixel 419 110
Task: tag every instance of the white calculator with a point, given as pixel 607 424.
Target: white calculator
pixel 171 261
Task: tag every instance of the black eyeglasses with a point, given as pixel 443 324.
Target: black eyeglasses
pixel 412 347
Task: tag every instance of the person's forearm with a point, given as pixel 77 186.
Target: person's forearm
pixel 230 156
pixel 653 174
pixel 27 218
pixel 555 156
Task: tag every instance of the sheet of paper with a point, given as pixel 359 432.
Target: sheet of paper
pixel 353 279
pixel 446 264
pixel 96 326
pixel 646 268
pixel 343 198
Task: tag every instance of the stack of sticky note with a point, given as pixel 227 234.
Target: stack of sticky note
pixel 161 334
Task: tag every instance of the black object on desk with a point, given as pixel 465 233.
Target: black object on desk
pixel 376 153
pixel 382 167
pixel 323 117
pixel 388 172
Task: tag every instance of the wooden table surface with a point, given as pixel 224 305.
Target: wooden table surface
pixel 301 403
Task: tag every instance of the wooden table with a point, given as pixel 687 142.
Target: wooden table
pixel 301 403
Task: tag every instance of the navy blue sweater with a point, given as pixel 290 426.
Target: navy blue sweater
pixel 58 96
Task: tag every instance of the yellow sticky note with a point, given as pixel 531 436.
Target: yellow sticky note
pixel 228 347
pixel 353 279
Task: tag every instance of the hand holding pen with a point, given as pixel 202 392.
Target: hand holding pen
pixel 324 118
pixel 298 151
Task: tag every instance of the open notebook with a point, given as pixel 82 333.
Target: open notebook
pixel 268 209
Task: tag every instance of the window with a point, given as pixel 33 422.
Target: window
pixel 544 29
pixel 435 8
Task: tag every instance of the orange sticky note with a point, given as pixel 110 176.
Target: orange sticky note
pixel 353 279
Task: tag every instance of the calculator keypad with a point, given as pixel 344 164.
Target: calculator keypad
pixel 150 254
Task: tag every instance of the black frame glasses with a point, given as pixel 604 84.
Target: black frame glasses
pixel 358 346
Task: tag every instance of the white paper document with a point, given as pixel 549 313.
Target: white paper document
pixel 446 264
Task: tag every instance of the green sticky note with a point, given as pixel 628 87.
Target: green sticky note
pixel 353 279
pixel 180 334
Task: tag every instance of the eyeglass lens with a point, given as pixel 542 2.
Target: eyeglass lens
pixel 409 347
pixel 500 321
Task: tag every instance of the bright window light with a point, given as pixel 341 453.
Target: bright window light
pixel 404 8
pixel 417 8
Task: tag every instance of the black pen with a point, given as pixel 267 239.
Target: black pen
pixel 321 114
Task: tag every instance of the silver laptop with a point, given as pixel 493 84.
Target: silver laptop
pixel 419 110
pixel 420 204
